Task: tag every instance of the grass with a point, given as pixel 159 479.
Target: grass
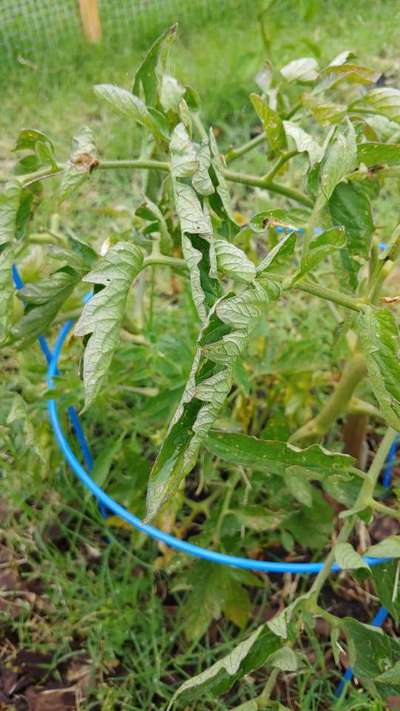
pixel 97 600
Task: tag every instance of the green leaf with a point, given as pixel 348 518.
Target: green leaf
pixel 379 337
pixel 102 316
pixel 275 457
pixel 148 210
pixel 249 655
pixel 292 219
pixel 385 101
pixel 348 558
pixel 371 651
pixel 7 291
pixel 389 548
pixel 30 139
pixel 215 591
pixel 350 207
pixel 284 659
pixel 150 73
pixel 386 581
pixel 82 161
pixel 339 160
pixel 43 302
pixel 9 205
pixel 298 487
pixel 391 676
pixel 104 461
pixel 280 254
pixel 193 219
pixel 221 341
pixel 302 70
pixel 325 112
pixel 372 154
pixel 354 73
pixel 272 123
pixel 303 141
pixel 257 518
pixel 320 248
pixel 233 262
pixel 130 106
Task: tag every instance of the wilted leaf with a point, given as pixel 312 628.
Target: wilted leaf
pixel 324 111
pixel 130 106
pixel 379 338
pixel 233 262
pixel 303 141
pixel 215 591
pixel 250 654
pixel 303 70
pixel 184 160
pixel 102 316
pixel 385 577
pixel 9 204
pixel 218 165
pixel 389 548
pixel 6 291
pixel 81 163
pixel 221 341
pixel 272 123
pixel 385 101
pixel 348 558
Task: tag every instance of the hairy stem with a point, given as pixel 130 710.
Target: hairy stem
pixel 257 182
pixel 234 153
pixel 365 492
pixel 279 163
pixel 314 430
pixel 330 295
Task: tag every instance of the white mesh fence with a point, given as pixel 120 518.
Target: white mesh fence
pixel 28 27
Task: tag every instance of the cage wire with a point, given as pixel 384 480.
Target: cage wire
pixel 30 27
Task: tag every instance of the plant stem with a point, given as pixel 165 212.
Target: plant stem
pixel 314 430
pixel 366 491
pixel 234 153
pixel 382 508
pixel 262 700
pixel 164 261
pixel 146 164
pixel 330 295
pixel 257 182
pixel 279 163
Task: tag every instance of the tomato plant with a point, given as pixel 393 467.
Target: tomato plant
pixel 268 330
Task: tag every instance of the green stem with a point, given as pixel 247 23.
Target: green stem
pixel 164 261
pixel 330 295
pixel 366 491
pixel 146 164
pixel 234 153
pixel 382 508
pixel 257 182
pixel 262 700
pixel 279 163
pixel 314 430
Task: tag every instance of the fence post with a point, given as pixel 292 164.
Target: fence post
pixel 90 17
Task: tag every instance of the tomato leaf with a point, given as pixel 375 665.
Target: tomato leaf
pixel 102 316
pixel 379 337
